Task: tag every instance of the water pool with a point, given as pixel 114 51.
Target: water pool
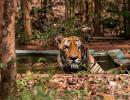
pixel 47 61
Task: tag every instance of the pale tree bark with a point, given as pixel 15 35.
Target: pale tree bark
pixel 8 56
pixel 27 7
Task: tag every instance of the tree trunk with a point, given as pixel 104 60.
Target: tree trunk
pixel 84 5
pixel 128 1
pixel 27 7
pixel 66 9
pixel 124 19
pixel 8 56
pixel 43 18
pixel 1 21
pixel 97 16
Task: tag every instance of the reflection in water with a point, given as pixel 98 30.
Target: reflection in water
pixel 48 64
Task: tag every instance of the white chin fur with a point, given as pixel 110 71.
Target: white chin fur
pixel 76 61
pixel 74 66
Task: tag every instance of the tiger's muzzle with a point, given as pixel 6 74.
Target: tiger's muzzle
pixel 72 64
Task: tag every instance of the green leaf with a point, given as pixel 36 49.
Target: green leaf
pixel 125 14
pixel 42 60
pixel 2 65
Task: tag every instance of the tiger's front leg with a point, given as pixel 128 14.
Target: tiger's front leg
pixel 93 66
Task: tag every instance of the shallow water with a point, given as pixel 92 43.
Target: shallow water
pixel 37 65
pixel 106 62
pixel 48 64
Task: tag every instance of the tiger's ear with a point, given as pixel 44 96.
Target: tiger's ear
pixel 58 39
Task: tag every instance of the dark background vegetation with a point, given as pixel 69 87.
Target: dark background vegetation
pixel 99 18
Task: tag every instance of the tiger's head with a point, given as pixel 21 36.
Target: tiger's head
pixel 73 53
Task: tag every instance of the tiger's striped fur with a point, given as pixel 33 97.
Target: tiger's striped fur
pixel 74 55
pixel 93 66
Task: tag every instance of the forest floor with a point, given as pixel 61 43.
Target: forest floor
pixel 82 86
pixel 77 86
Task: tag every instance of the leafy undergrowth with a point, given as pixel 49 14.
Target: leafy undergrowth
pixel 79 86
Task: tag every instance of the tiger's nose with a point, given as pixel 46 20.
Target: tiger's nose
pixel 73 58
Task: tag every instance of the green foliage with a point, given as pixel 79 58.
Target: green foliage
pixel 22 38
pixel 71 26
pixel 42 60
pixel 38 91
pixel 127 31
pixel 19 25
pixel 113 8
pixel 37 35
pixel 120 71
pixel 32 59
pixel 36 10
pixel 102 88
pixel 110 23
pixel 82 73
pixel 125 72
pixel 71 94
pixel 125 14
pixel 43 29
pixel 25 95
pixel 38 59
pixel 2 65
pixel 22 84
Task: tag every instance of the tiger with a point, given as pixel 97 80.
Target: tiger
pixel 74 55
